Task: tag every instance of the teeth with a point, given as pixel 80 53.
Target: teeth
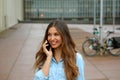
pixel 53 42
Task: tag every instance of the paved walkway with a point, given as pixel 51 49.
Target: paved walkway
pixel 19 44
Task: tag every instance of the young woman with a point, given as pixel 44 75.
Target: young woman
pixel 57 58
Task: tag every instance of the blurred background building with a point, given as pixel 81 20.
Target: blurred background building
pixel 10 12
pixel 73 11
pixel 80 11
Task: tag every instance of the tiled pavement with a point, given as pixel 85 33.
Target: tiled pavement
pixel 19 44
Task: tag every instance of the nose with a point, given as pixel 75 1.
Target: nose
pixel 52 37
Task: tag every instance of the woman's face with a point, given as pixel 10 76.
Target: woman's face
pixel 54 38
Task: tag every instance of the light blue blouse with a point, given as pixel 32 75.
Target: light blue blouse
pixel 57 71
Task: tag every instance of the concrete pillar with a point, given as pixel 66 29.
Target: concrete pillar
pixel 2 27
pixel 10 12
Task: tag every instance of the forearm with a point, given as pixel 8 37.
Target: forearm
pixel 46 66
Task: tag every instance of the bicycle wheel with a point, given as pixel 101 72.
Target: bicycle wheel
pixel 90 47
pixel 115 52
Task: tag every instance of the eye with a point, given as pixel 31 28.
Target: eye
pixel 49 34
pixel 57 34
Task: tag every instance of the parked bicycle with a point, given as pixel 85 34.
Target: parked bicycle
pixel 92 46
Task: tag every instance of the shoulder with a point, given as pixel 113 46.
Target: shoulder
pixel 79 59
pixel 78 56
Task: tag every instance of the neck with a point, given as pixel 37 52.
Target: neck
pixel 57 54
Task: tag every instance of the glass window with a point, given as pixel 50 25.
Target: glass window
pixel 68 8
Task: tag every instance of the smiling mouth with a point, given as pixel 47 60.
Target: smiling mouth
pixel 53 44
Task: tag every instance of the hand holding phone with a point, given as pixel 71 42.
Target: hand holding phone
pixel 47 49
pixel 48 46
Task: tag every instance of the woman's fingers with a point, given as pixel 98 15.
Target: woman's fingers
pixel 48 53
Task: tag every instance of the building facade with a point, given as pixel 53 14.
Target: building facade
pixel 77 11
pixel 81 11
pixel 10 12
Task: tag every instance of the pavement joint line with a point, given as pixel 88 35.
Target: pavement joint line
pixel 7 78
pixel 106 78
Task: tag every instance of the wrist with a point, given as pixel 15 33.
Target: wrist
pixel 49 57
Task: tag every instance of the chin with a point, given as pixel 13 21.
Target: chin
pixel 54 47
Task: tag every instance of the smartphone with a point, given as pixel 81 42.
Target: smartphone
pixel 48 47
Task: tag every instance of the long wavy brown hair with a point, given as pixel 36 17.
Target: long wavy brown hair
pixel 68 50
